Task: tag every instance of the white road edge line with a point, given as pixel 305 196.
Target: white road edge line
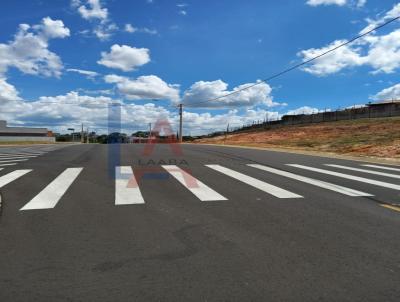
pixel 6 179
pixel 127 190
pixel 351 177
pixel 314 182
pixel 256 183
pixel 199 189
pixel 50 195
pixel 382 167
pixel 364 171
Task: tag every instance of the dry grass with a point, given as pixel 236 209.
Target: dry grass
pixel 364 137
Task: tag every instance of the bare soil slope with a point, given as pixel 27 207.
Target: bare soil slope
pixel 363 137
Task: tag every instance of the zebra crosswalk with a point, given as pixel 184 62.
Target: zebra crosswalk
pixel 11 156
pixel 350 177
pixel 128 189
pixel 365 171
pixel 311 181
pixel 256 183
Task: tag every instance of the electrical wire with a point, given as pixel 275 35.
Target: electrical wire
pixel 300 64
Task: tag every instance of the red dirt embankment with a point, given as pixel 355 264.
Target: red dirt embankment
pixel 364 137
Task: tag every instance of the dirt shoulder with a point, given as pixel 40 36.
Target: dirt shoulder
pixel 364 138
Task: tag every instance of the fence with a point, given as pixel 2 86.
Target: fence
pixel 376 110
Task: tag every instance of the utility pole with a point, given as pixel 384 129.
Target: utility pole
pixel 226 133
pixel 87 135
pixel 82 139
pixel 180 123
pixel 149 131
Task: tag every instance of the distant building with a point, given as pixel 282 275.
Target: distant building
pixel 21 134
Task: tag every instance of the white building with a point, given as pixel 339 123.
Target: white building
pixel 24 134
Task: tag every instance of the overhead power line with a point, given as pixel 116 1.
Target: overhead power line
pixel 300 64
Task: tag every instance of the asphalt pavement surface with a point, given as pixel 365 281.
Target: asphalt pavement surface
pixel 146 222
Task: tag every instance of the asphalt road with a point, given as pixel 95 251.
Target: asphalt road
pixel 74 226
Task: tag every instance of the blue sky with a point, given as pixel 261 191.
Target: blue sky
pixel 62 62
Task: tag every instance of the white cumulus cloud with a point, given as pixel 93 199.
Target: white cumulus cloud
pixel 356 3
pixel 52 29
pixel 70 110
pixel 203 123
pixel 304 110
pixel 29 52
pixel 326 2
pixel 124 57
pixel 7 92
pixel 91 9
pixel 63 111
pixel 333 62
pixel 379 52
pixel 391 93
pixel 199 94
pixel 391 14
pixel 148 87
pixel 129 28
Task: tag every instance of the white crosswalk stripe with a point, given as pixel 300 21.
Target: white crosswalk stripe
pixel 6 179
pixel 199 189
pixel 12 160
pixel 18 154
pixel 347 176
pixel 311 181
pixel 364 171
pixel 382 167
pixel 127 190
pixel 256 183
pixel 12 164
pixel 17 157
pixel 49 196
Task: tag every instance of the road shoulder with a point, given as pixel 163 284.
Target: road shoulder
pixel 376 160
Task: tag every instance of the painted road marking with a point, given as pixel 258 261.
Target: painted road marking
pixel 311 181
pixel 365 171
pixel 199 189
pixel 6 179
pixel 126 187
pixel 18 154
pixel 3 165
pixel 382 167
pixel 261 185
pixel 16 158
pixel 12 160
pixel 351 177
pixel 12 155
pixel 394 208
pixel 50 195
